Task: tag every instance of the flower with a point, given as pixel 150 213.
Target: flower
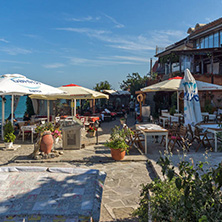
pixel 56 133
pixel 91 129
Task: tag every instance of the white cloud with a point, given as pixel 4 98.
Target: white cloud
pixel 3 40
pixel 132 58
pixel 83 19
pixel 208 19
pixel 87 31
pixel 166 37
pixel 11 61
pixel 140 43
pixel 32 36
pixel 54 65
pixel 15 50
pixel 117 24
pixel 104 61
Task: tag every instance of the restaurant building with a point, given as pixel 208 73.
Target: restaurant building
pixel 201 52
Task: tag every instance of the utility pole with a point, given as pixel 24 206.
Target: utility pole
pixel 151 70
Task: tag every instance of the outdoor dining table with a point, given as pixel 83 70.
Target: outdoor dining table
pixel 152 130
pixel 212 128
pixel 30 128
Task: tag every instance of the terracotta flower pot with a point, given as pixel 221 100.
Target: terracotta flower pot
pixel 117 154
pixel 46 143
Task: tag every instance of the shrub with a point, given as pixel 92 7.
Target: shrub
pixel 9 132
pixel 192 195
pixel 118 138
pixel 9 137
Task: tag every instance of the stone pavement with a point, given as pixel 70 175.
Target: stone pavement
pixel 122 185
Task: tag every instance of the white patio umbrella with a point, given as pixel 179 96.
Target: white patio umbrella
pixel 192 112
pixel 16 84
pixel 74 92
pixel 175 84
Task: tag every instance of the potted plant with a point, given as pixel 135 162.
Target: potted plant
pixel 57 135
pixel 45 137
pixel 117 142
pixel 9 136
pixel 91 131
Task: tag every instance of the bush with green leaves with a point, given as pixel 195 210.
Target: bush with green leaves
pixel 9 137
pixel 46 127
pixel 118 138
pixel 9 132
pixel 191 195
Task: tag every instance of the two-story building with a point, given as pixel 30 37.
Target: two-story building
pixel 201 52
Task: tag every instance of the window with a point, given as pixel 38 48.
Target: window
pixel 197 44
pixel 206 42
pixel 211 41
pixel 220 38
pixel 202 43
pixel 216 39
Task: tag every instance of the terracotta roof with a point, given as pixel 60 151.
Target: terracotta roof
pixel 201 27
pixel 155 66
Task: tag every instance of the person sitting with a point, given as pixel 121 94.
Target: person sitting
pixel 10 116
pixel 26 117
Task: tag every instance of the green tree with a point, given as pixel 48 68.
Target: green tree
pixel 29 107
pixel 134 82
pixel 102 85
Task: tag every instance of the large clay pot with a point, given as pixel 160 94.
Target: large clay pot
pixel 46 143
pixel 117 154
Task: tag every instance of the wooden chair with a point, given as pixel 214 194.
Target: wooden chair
pixel 179 138
pixel 202 138
pixel 136 140
pixel 190 133
pixel 171 131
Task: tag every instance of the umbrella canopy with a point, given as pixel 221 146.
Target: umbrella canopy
pixel 74 91
pixel 78 92
pixel 16 84
pixel 192 112
pixel 175 84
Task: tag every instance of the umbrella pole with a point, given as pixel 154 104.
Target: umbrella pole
pixel 74 107
pixel 3 116
pixel 48 111
pixel 94 106
pixel 12 109
pixel 71 107
pixel 178 102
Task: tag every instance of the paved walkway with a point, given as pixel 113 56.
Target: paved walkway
pixel 122 185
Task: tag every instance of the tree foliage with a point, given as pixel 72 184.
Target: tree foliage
pixel 29 107
pixel 102 85
pixel 134 82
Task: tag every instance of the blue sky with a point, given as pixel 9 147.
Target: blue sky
pixel 88 41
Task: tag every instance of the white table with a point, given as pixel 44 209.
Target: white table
pixel 212 128
pixel 152 130
pixel 28 128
